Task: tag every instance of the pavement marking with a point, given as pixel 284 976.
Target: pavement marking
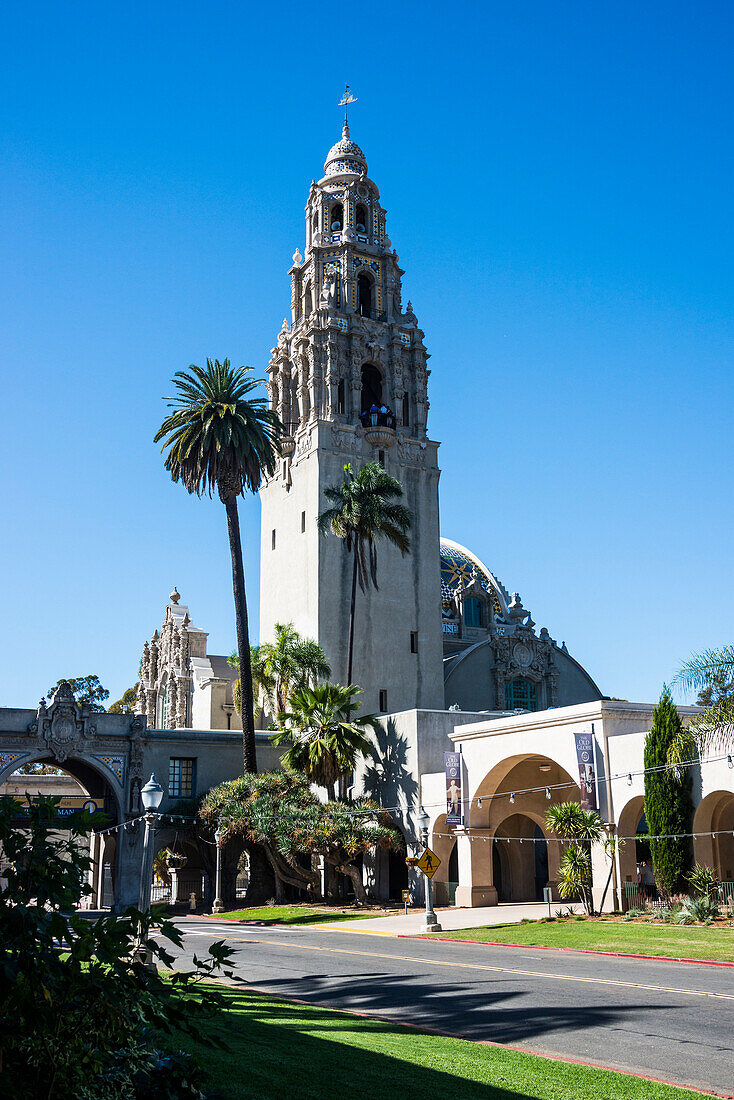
pixel 497 969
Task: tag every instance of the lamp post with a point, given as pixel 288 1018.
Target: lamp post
pixel 431 923
pixel 152 796
pixel 218 906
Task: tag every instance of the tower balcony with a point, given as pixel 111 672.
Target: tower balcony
pixel 379 427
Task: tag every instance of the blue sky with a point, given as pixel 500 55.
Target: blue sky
pixel 558 181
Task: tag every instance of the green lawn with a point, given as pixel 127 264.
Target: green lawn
pixel 681 941
pixel 297 914
pixel 279 1050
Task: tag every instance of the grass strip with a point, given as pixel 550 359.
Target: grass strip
pixel 672 941
pixel 279 1050
pixel 296 914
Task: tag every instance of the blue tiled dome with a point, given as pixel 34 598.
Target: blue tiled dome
pixel 459 568
pixel 345 156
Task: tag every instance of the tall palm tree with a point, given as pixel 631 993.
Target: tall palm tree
pixel 262 682
pixel 220 437
pixel 324 733
pixel 364 511
pixel 714 728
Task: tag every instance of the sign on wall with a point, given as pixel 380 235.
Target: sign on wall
pixel 454 805
pixel 587 770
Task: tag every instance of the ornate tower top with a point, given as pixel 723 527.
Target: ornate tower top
pixel 350 348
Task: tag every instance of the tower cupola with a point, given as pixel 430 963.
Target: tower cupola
pixel 346 157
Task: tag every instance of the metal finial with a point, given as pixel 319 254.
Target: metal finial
pixel 345 101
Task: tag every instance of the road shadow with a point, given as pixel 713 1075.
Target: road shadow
pixel 487 1012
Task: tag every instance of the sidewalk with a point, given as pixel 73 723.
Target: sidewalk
pixel 449 919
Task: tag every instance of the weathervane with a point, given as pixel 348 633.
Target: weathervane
pixel 345 101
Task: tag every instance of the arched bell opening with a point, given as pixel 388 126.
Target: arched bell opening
pixel 371 389
pixel 364 295
pixel 336 217
pixel 360 219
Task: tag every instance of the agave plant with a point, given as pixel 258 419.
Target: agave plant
pixel 697 909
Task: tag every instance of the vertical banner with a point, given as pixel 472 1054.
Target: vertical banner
pixel 587 770
pixel 454 805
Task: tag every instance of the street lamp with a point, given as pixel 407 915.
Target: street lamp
pixel 152 796
pixel 218 906
pixel 431 924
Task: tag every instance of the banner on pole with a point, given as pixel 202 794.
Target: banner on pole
pixel 454 805
pixel 587 770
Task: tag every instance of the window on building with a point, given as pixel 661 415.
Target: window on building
pixel 272 540
pixel 381 457
pixel 307 301
pixel 340 404
pixel 336 220
pixel 303 522
pixel 521 695
pixel 364 295
pixel 473 612
pixel 406 410
pixel 371 387
pixel 361 218
pixel 414 641
pixel 383 700
pixel 181 777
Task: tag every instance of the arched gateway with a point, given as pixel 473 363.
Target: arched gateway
pixel 110 756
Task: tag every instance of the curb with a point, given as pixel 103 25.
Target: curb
pixel 574 950
pixel 567 1059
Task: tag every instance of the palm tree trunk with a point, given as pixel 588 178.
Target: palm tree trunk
pixel 249 758
pixel 350 648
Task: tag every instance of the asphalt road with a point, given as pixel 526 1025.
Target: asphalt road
pixel 672 1021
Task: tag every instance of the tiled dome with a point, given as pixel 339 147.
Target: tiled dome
pixel 458 569
pixel 345 156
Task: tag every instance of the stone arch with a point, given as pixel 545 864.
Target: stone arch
pixel 513 776
pixel 628 820
pixel 443 843
pixel 523 857
pixel 715 815
pixel 365 293
pixel 104 849
pixel 371 387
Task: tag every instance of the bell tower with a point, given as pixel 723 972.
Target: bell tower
pixel 348 378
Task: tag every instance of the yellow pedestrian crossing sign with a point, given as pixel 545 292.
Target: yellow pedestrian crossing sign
pixel 429 863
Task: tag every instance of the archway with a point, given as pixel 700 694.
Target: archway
pixel 715 816
pixel 80 786
pixel 364 295
pixel 508 808
pixel 630 851
pixel 371 387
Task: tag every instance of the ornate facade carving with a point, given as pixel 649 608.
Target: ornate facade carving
pixel 63 727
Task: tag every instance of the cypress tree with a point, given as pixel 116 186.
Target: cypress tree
pixel 668 805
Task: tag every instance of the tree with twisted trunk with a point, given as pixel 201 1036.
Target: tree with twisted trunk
pixel 218 436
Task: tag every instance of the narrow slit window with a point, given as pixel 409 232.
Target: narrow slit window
pixel 383 700
pixel 272 540
pixel 414 641
pixel 303 522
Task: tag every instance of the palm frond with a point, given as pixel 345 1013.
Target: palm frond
pixel 702 668
pixel 714 729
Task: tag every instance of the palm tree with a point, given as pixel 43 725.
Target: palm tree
pixel 324 733
pixel 713 669
pixel 364 510
pixel 570 820
pixel 284 666
pixel 262 684
pixel 220 437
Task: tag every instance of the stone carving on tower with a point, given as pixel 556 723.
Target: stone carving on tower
pixel 348 378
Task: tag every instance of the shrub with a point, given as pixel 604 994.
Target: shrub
pixel 632 913
pixel 78 1006
pixel 668 806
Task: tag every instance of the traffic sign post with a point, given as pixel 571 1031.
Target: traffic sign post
pixel 429 864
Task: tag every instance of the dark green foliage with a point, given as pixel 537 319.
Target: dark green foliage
pixel 78 1006
pixel 87 691
pixel 126 704
pixel 668 806
pixel 280 812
